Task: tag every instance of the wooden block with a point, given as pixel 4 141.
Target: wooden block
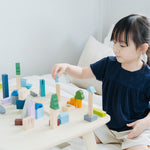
pixel 28 123
pixel 53 118
pixel 78 103
pixel 99 112
pixel 23 92
pixel 18 84
pixel 68 108
pixel 18 122
pixel 90 104
pixel 58 91
pixel 58 122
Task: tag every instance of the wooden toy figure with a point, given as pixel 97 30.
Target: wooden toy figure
pixel 57 87
pixel 90 116
pixel 18 84
pixel 54 105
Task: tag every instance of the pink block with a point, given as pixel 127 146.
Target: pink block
pixel 5 100
pixel 31 109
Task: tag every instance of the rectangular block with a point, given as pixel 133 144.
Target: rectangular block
pixel 18 122
pixel 17 68
pixel 5 85
pixel 99 112
pixel 42 87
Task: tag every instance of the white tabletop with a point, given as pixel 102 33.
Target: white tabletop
pixel 41 137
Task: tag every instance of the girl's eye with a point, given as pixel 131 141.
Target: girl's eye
pixel 122 46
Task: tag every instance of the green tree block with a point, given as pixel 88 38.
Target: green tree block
pixel 99 112
pixel 17 68
pixel 79 95
pixel 54 102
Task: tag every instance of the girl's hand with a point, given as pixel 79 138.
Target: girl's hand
pixel 58 68
pixel 138 127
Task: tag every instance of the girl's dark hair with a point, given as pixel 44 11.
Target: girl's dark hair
pixel 136 26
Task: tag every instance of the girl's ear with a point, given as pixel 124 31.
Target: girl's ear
pixel 144 47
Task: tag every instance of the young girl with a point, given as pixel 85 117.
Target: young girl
pixel 126 84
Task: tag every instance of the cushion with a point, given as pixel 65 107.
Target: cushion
pixel 92 52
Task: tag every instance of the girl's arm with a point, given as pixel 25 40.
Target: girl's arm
pixel 73 71
pixel 138 127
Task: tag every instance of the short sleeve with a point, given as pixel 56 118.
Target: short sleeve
pixel 99 68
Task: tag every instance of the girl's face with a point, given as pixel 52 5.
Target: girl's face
pixel 124 53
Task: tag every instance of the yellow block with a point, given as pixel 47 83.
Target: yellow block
pixel 99 112
pixel 1 86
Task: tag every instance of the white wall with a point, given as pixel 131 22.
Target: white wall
pixel 113 10
pixel 40 33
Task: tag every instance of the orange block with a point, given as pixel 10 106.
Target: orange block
pixel 72 101
pixel 78 103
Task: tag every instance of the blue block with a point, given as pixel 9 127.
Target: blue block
pixel 39 110
pixel 20 104
pixel 57 79
pixel 5 85
pixel 13 99
pixel 63 117
pixel 42 87
pixel 28 86
pixel 23 82
pixel 15 93
pixel 90 118
pixel 38 105
pixel 2 110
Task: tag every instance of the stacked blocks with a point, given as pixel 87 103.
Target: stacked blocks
pixel 42 87
pixel 77 100
pixel 63 117
pixel 14 97
pixel 5 85
pixel 39 110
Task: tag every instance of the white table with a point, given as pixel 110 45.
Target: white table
pixel 41 137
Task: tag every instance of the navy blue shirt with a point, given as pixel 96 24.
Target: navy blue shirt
pixel 126 94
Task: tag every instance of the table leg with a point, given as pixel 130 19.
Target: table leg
pixel 90 141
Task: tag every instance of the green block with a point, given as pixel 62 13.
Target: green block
pixel 54 102
pixel 99 112
pixel 63 145
pixel 17 68
pixel 1 86
pixel 79 95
